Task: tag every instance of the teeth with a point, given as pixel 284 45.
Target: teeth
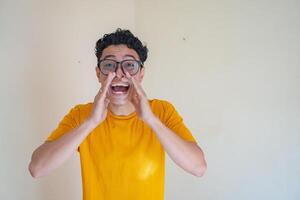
pixel 119 84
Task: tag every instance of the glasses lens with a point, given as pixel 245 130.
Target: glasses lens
pixel 107 66
pixel 131 66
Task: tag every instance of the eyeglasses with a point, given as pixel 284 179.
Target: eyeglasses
pixel 130 66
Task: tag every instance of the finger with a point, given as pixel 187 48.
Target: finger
pixel 99 92
pixel 106 102
pixel 135 100
pixel 137 86
pixel 134 94
pixel 108 82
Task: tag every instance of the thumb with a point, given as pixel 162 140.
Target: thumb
pixel 135 100
pixel 106 102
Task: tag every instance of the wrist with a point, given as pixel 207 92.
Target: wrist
pixel 91 122
pixel 152 121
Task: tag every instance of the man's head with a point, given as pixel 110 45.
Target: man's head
pixel 121 52
pixel 121 36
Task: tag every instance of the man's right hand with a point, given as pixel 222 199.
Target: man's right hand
pixel 101 101
pixel 50 155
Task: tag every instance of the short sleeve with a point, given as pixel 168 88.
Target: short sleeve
pixel 174 121
pixel 69 122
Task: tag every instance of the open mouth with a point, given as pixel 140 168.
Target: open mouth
pixel 119 88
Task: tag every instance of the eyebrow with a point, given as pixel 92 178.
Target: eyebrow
pixel 127 55
pixel 113 56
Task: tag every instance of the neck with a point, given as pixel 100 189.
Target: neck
pixel 121 110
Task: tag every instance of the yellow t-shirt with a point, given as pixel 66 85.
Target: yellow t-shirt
pixel 122 158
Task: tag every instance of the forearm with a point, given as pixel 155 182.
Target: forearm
pixel 50 155
pixel 188 155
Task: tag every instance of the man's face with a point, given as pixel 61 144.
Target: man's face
pixel 120 89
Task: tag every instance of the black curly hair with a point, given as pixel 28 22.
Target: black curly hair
pixel 121 36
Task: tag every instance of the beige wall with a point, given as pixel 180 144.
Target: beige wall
pixel 230 67
pixel 47 66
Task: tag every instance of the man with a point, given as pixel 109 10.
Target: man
pixel 122 136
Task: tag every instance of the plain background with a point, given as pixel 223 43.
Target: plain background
pixel 231 68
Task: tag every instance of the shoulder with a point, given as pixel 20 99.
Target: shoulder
pixel 161 107
pixel 81 111
pixel 83 107
pixel 165 111
pixel 160 104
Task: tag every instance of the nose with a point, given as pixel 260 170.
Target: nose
pixel 119 71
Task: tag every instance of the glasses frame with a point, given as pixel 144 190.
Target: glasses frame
pixel 120 64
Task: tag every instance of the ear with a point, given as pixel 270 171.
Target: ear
pixel 98 73
pixel 142 72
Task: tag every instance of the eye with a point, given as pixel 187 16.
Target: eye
pixel 108 65
pixel 129 65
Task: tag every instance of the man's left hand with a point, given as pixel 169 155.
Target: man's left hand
pixel 140 101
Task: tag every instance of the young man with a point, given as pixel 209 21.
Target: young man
pixel 122 136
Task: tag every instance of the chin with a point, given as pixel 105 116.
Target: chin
pixel 118 101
